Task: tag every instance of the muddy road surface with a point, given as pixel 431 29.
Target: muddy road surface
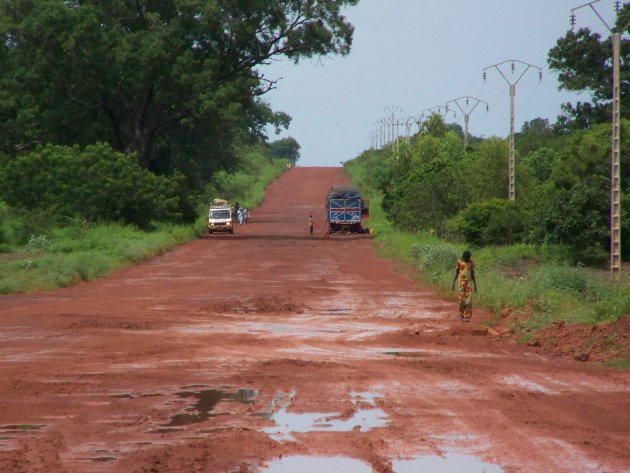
pixel 271 350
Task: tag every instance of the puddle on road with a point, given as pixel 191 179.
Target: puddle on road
pixel 17 428
pixel 122 396
pixel 450 463
pixel 360 420
pixel 336 311
pixel 207 399
pixel 306 464
pixel 426 464
pixel 103 459
pixel 410 354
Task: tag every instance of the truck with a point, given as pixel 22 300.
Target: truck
pixel 345 210
pixel 220 217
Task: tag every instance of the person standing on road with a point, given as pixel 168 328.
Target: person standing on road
pixel 464 275
pixel 239 214
pixel 310 224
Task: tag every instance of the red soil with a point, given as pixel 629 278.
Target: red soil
pixel 111 375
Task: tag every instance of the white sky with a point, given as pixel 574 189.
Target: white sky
pixel 417 54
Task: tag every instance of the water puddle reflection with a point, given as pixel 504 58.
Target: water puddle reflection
pixel 360 419
pixel 206 400
pixel 306 464
pixel 450 463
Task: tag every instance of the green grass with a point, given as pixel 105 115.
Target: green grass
pixel 74 254
pixel 538 281
pixel 65 255
pixel 621 364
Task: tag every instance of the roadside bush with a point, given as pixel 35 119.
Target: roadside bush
pixel 95 184
pixel 434 257
pixel 18 225
pixel 493 222
pixel 576 216
pixel 38 242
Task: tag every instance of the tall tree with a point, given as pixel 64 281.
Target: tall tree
pixel 583 60
pixel 150 76
pixel 287 148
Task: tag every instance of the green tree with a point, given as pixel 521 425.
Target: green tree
pixel 572 207
pixel 541 163
pixel 422 188
pixel 151 76
pixel 485 171
pixel 492 222
pixel 583 60
pixel 285 148
pixel 577 216
pixel 95 184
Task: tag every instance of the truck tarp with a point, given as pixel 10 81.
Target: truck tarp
pixel 344 192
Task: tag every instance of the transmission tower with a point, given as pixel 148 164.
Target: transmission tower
pixel 512 84
pixel 466 110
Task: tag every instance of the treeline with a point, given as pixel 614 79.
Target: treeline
pixel 119 111
pixel 55 186
pixel 562 181
pixel 436 184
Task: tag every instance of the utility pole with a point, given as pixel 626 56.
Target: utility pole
pixel 615 206
pixel 511 166
pixel 466 110
pixel 381 132
pixel 391 111
pixel 427 112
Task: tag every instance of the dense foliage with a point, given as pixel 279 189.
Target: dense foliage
pixel 563 187
pixel 583 61
pixel 93 184
pixel 177 82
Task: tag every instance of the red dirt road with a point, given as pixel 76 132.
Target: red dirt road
pixel 270 348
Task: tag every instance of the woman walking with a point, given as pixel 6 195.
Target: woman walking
pixel 465 273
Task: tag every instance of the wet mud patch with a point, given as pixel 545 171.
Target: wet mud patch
pixel 97 322
pixel 20 428
pixel 338 311
pixel 257 305
pixel 409 354
pixel 10 433
pixel 205 402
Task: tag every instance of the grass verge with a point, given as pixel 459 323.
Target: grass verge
pixel 527 288
pixel 78 252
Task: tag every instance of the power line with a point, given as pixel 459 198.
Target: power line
pixel 512 83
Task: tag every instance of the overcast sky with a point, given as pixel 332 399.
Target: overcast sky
pixel 417 54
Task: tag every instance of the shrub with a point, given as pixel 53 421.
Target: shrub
pixel 434 257
pixel 94 183
pixel 492 222
pixel 576 216
pixel 38 242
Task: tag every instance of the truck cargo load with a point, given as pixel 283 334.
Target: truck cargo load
pixel 345 209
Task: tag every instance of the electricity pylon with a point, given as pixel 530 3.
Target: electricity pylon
pixel 512 183
pixel 392 110
pixel 466 110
